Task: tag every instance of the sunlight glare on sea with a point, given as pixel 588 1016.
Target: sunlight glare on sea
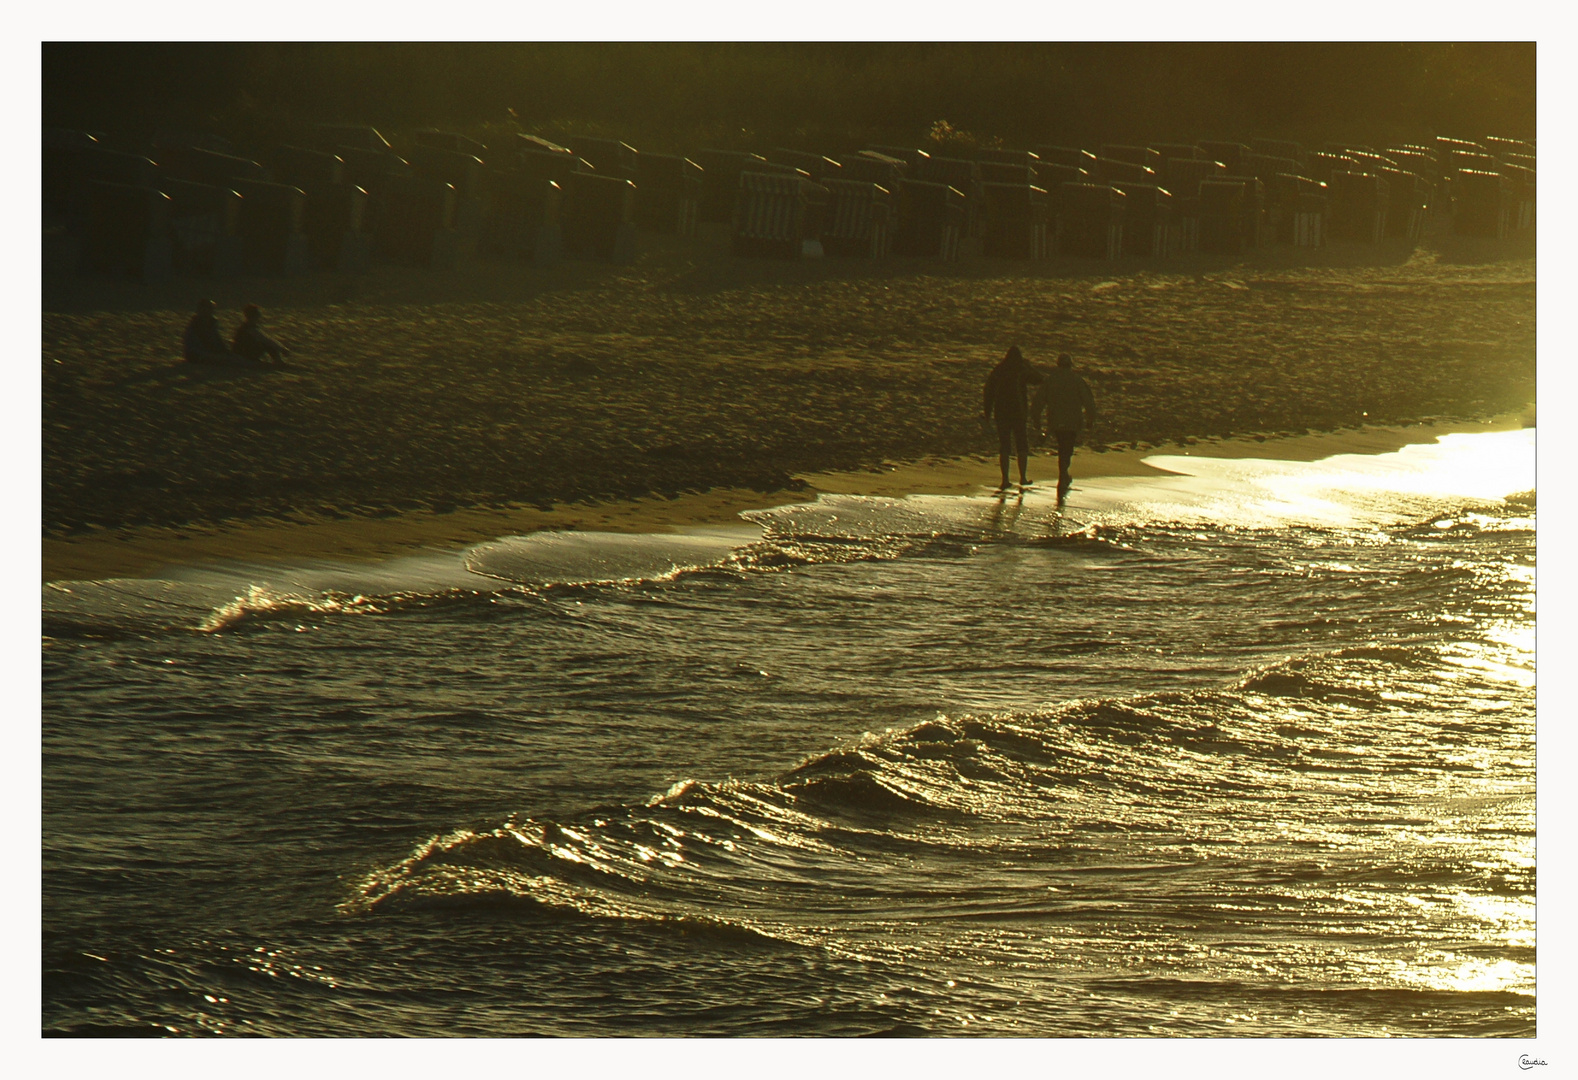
pixel 1342 490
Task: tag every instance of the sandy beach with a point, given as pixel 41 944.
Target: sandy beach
pixel 432 410
pixel 138 552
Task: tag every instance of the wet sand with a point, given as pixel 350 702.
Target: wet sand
pixel 428 410
pixel 143 552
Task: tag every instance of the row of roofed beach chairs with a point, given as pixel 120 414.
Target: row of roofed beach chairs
pixel 343 197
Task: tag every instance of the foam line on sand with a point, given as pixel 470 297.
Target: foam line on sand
pixel 145 552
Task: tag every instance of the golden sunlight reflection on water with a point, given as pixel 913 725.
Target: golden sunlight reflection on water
pixel 1346 490
pixel 1513 662
pixel 1468 974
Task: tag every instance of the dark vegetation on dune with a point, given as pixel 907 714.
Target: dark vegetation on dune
pixel 678 97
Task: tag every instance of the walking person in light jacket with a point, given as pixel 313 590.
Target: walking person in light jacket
pixel 1066 399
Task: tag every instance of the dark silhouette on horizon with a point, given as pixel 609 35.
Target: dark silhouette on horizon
pixel 1005 400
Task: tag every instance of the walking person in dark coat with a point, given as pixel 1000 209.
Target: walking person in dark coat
pixel 201 342
pixel 1005 400
pixel 250 342
pixel 1066 399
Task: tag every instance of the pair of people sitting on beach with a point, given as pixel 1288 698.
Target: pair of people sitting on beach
pixel 1064 398
pixel 203 342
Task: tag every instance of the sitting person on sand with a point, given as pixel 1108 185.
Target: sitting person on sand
pixel 202 342
pixel 250 342
pixel 1065 398
pixel 1004 400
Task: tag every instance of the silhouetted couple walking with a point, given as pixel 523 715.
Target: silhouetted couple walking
pixel 1063 396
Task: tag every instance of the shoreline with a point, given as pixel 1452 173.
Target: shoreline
pixel 694 371
pixel 143 552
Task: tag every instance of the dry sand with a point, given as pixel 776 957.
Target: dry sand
pixel 436 410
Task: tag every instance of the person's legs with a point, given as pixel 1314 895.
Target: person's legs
pixel 1005 438
pixel 1022 445
pixel 1065 455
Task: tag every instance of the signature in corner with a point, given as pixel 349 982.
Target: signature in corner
pixel 1526 1062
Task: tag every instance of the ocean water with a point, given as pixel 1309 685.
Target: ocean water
pixel 1246 749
